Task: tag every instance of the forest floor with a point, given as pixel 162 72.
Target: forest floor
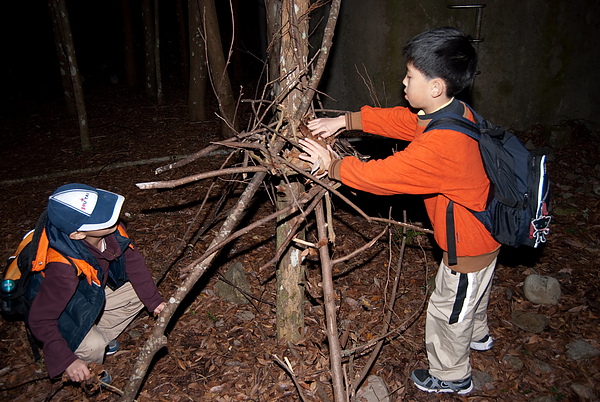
pixel 221 351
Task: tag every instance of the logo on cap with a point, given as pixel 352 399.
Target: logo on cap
pixel 83 202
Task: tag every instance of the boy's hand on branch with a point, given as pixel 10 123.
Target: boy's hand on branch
pixel 327 127
pixel 317 155
pixel 78 371
pixel 159 308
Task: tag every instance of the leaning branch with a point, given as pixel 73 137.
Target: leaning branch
pixel 335 357
pixel 200 176
pixel 157 338
pixel 322 61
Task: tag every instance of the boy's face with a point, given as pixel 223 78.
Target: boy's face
pixel 93 234
pixel 417 88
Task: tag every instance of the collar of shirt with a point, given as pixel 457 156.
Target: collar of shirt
pixel 422 113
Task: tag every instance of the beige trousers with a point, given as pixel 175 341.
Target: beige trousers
pixel 456 315
pixel 122 305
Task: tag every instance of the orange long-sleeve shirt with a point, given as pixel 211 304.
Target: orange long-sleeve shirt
pixel 441 165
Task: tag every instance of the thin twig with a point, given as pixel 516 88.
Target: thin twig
pixel 288 369
pixel 404 224
pixel 327 184
pixel 361 249
pixel 219 245
pixel 249 296
pixel 184 240
pixel 388 318
pixel 294 230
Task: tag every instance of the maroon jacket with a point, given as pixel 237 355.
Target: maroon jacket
pixel 58 287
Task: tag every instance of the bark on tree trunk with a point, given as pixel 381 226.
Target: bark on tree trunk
pixel 198 78
pixel 294 52
pixel 159 92
pixel 61 20
pixel 218 66
pixel 184 48
pixel 129 45
pixel 290 274
pixel 63 62
pixel 273 14
pixel 293 60
pixel 150 80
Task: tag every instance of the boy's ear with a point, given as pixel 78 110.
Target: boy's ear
pixel 438 87
pixel 77 236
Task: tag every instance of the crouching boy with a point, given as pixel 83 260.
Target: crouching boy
pixel 94 282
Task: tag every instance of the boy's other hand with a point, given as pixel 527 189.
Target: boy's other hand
pixel 317 155
pixel 327 127
pixel 159 308
pixel 78 371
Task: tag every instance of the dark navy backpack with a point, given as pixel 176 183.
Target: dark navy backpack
pixel 517 212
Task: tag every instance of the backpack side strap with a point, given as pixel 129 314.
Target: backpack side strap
pixel 454 122
pixel 450 235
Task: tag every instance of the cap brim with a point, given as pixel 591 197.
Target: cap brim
pixel 106 213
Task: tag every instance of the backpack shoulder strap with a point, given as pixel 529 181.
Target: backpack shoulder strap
pixel 82 267
pixel 31 239
pixel 454 122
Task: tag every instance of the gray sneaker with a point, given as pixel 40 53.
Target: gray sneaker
pixel 104 377
pixel 426 382
pixel 485 343
pixel 112 347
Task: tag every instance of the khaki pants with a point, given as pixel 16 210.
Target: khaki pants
pixel 122 305
pixel 456 315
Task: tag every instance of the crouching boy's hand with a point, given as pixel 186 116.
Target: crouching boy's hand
pixel 159 308
pixel 78 371
pixel 317 155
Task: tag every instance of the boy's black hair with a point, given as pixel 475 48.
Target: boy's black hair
pixel 445 53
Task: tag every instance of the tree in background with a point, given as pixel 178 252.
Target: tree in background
pixel 269 143
pixel 71 78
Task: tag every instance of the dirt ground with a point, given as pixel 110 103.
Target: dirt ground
pixel 221 351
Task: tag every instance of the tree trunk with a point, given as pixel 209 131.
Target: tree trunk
pixel 63 62
pixel 290 273
pixel 293 58
pixel 237 66
pixel 290 292
pixel 218 66
pixel 63 27
pixel 273 14
pixel 294 54
pixel 184 49
pixel 149 47
pixel 129 45
pixel 159 92
pixel 198 78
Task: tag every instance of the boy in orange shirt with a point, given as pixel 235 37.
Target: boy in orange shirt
pixel 442 165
